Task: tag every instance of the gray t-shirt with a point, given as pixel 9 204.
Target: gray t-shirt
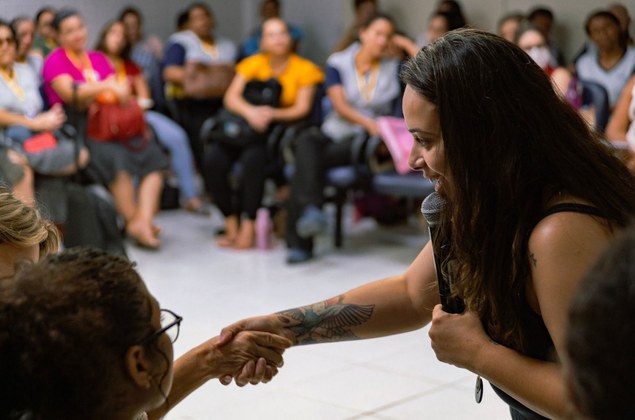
pixel 194 51
pixel 613 80
pixel 387 88
pixel 29 105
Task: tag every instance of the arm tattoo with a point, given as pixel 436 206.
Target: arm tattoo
pixel 326 321
pixel 533 259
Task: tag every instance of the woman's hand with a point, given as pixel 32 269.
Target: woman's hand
pixel 457 338
pixel 50 120
pixel 259 117
pixel 250 357
pixel 371 127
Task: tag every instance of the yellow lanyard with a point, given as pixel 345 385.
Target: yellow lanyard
pixel 367 82
pixel 11 79
pixel 84 65
pixel 210 49
pixel 120 70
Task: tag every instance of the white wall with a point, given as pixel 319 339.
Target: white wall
pixel 322 20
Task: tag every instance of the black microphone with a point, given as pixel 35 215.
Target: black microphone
pixel 432 208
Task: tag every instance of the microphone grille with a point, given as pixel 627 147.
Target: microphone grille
pixel 431 208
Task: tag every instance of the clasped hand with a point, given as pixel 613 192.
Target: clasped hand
pixel 457 339
pixel 269 339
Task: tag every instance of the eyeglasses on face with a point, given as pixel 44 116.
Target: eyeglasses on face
pixel 7 41
pixel 170 324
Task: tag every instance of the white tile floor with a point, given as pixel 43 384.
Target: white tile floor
pixel 395 378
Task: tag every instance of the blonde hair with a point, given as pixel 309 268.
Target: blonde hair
pixel 22 226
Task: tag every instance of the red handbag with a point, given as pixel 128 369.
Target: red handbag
pixel 119 122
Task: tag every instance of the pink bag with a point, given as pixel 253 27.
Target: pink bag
pixel 398 139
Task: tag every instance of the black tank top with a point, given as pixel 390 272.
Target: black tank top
pixel 539 345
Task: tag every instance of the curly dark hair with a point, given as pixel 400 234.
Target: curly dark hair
pixel 65 325
pixel 600 338
pixel 511 143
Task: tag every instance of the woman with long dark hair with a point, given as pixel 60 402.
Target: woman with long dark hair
pixel 532 198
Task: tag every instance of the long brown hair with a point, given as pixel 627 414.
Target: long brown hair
pixel 511 143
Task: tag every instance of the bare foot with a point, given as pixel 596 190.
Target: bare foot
pixel 231 232
pixel 225 241
pixel 246 237
pixel 143 233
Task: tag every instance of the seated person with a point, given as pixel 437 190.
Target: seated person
pixel 508 25
pixel 197 68
pixel 454 9
pixel 298 78
pixel 362 84
pixel 15 174
pixel 146 52
pixel 22 115
pixel 363 10
pixel 26 236
pixel 599 339
pixel 439 24
pixel 78 78
pixel 89 341
pixel 45 35
pixel 269 9
pixel 543 19
pixel 112 42
pixel 533 42
pixel 613 62
pixel 621 126
pixel 24 29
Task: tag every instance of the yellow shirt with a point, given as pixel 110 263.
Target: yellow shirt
pixel 298 73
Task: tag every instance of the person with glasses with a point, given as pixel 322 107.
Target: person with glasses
pixel 83 338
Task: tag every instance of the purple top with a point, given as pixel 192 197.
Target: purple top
pixel 58 64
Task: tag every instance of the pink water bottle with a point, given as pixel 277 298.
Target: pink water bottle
pixel 263 229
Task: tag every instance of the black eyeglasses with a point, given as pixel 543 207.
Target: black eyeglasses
pixel 168 320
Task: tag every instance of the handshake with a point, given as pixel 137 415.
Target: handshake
pixel 250 351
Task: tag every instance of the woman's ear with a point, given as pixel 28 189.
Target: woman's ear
pixel 137 365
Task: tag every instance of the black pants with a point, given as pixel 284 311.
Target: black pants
pixel 315 153
pixel 218 166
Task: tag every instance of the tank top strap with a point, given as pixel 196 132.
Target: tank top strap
pixel 573 207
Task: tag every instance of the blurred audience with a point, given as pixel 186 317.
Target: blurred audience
pixel 146 52
pixel 298 79
pixel 613 62
pixel 45 34
pixel 112 42
pixel 197 69
pixel 269 9
pixel 362 83
pixel 542 18
pixel 531 40
pixel 24 29
pixel 77 78
pixel 455 12
pixel 509 24
pixel 621 126
pixel 363 9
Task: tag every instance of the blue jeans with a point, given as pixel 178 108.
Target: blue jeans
pixel 171 136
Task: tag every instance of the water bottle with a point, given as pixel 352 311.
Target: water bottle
pixel 263 229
